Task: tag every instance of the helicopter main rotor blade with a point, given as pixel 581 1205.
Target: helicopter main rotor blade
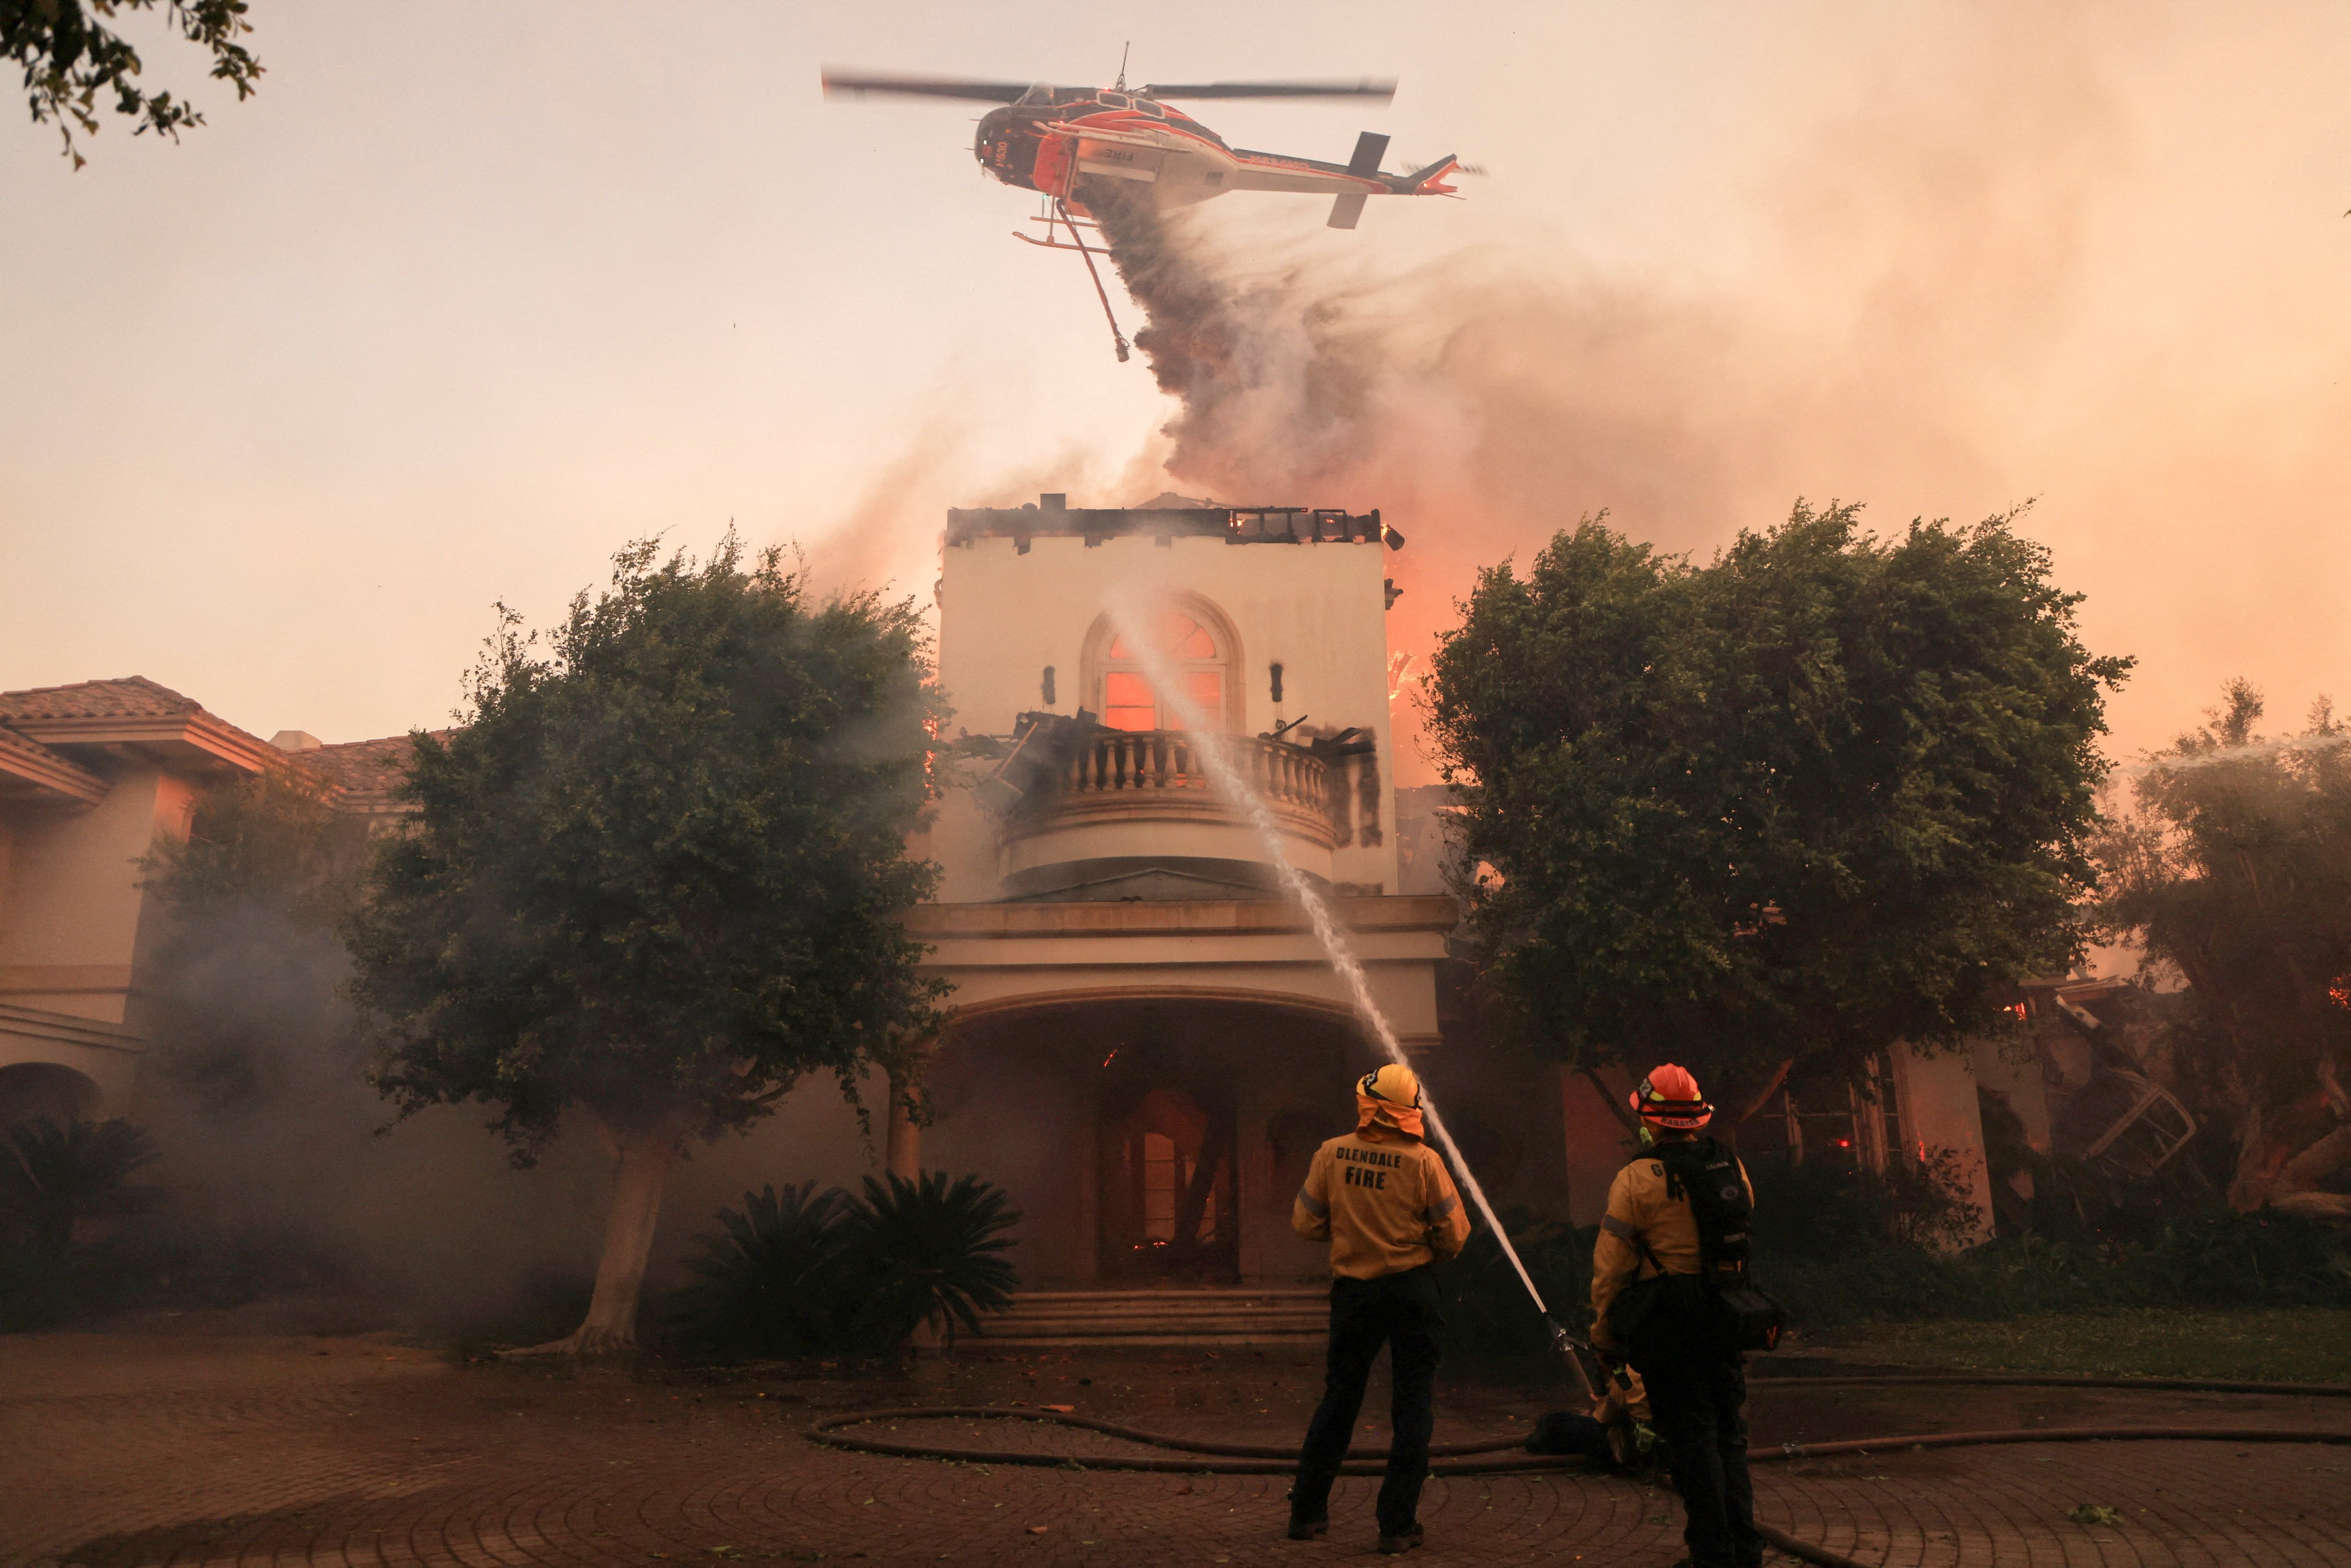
pixel 926 86
pixel 1367 88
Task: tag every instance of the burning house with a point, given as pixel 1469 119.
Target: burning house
pixel 1145 1042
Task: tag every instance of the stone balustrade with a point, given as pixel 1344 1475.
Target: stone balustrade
pixel 1158 774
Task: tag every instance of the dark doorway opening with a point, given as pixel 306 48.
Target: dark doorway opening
pixel 1169 1214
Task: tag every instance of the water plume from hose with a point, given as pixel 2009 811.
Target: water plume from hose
pixel 1136 625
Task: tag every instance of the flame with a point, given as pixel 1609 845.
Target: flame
pixel 1401 666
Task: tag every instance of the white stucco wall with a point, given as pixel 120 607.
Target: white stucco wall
pixel 75 921
pixel 1317 609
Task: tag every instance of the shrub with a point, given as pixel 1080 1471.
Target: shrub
pixel 928 1253
pixel 53 1175
pixel 2214 1256
pixel 767 1280
pixel 2207 1257
pixel 1838 1248
pixel 1816 1211
pixel 801 1272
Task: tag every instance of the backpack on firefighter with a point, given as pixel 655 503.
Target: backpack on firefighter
pixel 1721 1297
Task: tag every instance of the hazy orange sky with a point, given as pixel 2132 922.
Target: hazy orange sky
pixel 469 296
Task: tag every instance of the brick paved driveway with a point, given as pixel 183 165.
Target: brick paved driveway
pixel 123 1450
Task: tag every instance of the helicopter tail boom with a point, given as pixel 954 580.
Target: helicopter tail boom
pixel 1429 182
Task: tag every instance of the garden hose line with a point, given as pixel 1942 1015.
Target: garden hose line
pixel 1487 1458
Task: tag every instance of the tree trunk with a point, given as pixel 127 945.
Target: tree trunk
pixel 902 1147
pixel 640 1175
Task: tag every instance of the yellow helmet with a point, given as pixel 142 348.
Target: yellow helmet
pixel 1394 1084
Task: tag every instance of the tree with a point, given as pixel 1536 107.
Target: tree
pixel 657 875
pixel 1824 794
pixel 70 55
pixel 2234 871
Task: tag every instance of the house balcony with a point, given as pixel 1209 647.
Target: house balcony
pixel 1132 814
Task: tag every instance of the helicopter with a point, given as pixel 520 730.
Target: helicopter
pixel 1047 139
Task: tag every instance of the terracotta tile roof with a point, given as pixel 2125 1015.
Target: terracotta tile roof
pixel 134 696
pixel 10 741
pixel 27 764
pixel 361 767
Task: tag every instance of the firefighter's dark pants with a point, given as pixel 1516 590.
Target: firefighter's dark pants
pixel 1697 1395
pixel 1400 1311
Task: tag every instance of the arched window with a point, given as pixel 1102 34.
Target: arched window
pixel 1196 646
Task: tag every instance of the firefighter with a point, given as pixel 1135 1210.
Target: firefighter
pixel 1383 1199
pixel 1648 1302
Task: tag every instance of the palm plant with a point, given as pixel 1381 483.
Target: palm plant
pixel 53 1174
pixel 768 1279
pixel 927 1251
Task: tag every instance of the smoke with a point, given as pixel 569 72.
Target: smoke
pixel 1921 302
pixel 283 1174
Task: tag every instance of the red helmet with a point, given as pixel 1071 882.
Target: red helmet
pixel 1669 1097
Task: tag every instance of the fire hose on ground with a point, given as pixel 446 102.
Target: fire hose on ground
pixel 1487 1457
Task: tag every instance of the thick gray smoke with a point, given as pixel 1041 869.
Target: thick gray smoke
pixel 285 1178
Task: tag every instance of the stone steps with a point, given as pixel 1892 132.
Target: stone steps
pixel 1291 1316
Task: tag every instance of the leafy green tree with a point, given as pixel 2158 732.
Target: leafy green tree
pixel 1824 794
pixel 2234 871
pixel 658 875
pixel 70 55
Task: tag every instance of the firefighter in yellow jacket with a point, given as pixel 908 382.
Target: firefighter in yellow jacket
pixel 1383 1199
pixel 1648 1303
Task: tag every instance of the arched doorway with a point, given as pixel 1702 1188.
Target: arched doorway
pixel 1169 1213
pixel 1147 1141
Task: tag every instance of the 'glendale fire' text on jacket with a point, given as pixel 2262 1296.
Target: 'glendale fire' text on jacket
pixel 1394 1204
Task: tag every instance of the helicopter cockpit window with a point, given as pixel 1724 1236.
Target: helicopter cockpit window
pixel 1039 92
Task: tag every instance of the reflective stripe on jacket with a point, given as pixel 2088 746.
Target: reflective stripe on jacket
pixel 1383 1201
pixel 1639 1211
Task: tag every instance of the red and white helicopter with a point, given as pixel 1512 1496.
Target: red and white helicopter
pixel 1046 138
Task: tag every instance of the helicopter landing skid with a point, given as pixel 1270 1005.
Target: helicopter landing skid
pixel 1062 216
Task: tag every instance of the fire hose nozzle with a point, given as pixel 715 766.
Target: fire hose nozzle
pixel 1590 1371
